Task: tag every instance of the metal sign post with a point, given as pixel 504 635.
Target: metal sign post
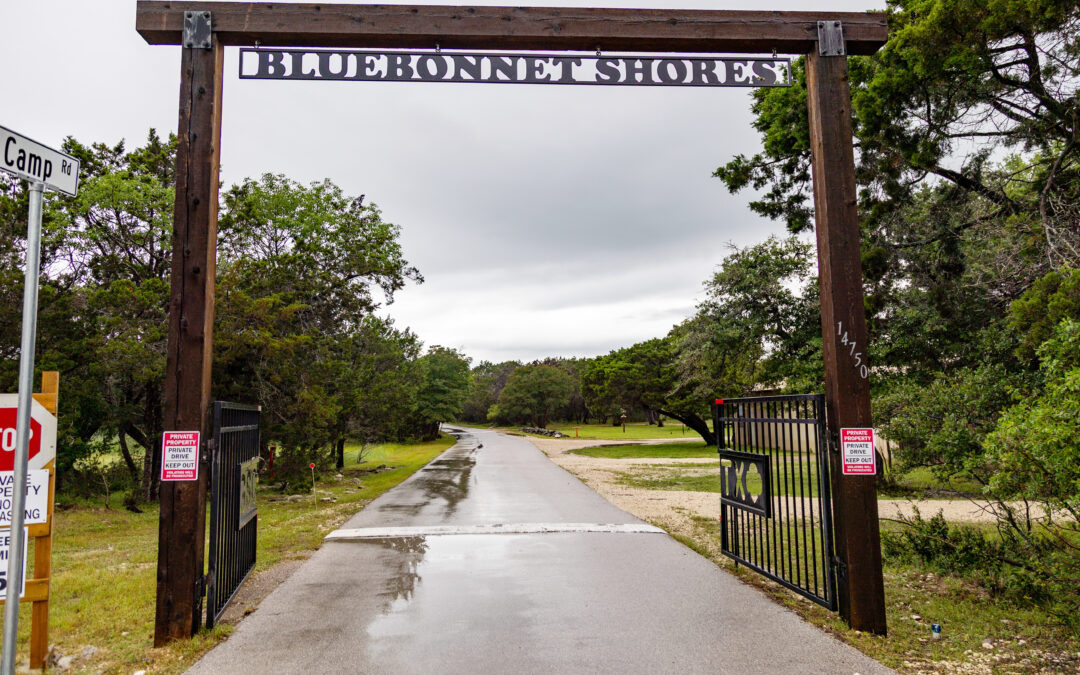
pixel 43 167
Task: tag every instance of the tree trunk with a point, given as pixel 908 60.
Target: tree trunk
pixel 126 452
pixel 340 453
pixel 694 422
pixel 151 441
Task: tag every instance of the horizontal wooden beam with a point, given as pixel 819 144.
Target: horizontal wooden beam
pixel 37 590
pixel 528 28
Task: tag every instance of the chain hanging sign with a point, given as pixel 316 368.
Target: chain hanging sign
pixel 395 66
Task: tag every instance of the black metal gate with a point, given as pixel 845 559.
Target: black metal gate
pixel 775 504
pixel 233 518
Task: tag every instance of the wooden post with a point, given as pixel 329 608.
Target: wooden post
pixel 182 524
pixel 39 617
pixel 860 585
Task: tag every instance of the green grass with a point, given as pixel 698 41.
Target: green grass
pixel 105 561
pixel 634 431
pixel 796 478
pixel 693 449
pixel 921 482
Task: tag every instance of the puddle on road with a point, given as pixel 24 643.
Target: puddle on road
pixel 430 579
pixel 447 479
pixel 402 564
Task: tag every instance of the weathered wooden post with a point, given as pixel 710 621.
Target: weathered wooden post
pixel 860 586
pixel 182 524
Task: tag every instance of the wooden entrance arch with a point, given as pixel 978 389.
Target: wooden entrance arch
pixel 826 38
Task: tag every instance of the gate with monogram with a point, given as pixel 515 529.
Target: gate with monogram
pixel 233 518
pixel 775 504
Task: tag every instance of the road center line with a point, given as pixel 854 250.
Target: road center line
pixel 502 528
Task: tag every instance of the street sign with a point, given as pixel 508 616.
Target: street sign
pixel 38 163
pixel 180 455
pixel 42 434
pixel 857 449
pixel 36 509
pixel 5 550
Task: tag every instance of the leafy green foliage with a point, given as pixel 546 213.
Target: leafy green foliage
pixel 533 395
pixel 644 377
pixel 1046 304
pixel 944 424
pixel 299 268
pixel 302 269
pixel 488 381
pixel 1021 567
pixel 1035 449
pixel 444 384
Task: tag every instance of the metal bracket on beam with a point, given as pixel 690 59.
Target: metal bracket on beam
pixel 830 38
pixel 197 30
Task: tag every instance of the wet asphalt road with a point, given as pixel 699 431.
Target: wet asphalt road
pixel 586 600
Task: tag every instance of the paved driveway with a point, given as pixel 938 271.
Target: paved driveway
pixel 494 560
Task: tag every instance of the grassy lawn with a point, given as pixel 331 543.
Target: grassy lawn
pixel 922 483
pixel 796 477
pixel 104 563
pixel 692 449
pixel 634 431
pixel 1022 639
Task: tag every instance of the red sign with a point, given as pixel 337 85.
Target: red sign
pixel 42 434
pixel 180 455
pixel 8 417
pixel 857 450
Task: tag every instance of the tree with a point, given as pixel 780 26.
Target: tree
pixel 1036 315
pixel 644 377
pixel 104 297
pixel 488 380
pixel 300 275
pixel 533 394
pixel 994 73
pixel 297 277
pixel 444 384
pixel 759 322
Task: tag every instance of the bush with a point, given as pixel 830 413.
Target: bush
pixel 100 475
pixel 1038 568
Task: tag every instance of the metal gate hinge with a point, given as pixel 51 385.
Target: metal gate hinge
pixel 833 441
pixel 830 38
pixel 197 30
pixel 840 566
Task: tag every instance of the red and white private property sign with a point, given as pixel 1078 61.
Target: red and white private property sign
pixel 857 448
pixel 42 434
pixel 180 455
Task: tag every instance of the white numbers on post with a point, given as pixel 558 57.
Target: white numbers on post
pixel 857 357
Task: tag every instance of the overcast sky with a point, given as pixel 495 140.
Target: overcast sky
pixel 547 220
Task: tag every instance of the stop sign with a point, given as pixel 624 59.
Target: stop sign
pixel 42 434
